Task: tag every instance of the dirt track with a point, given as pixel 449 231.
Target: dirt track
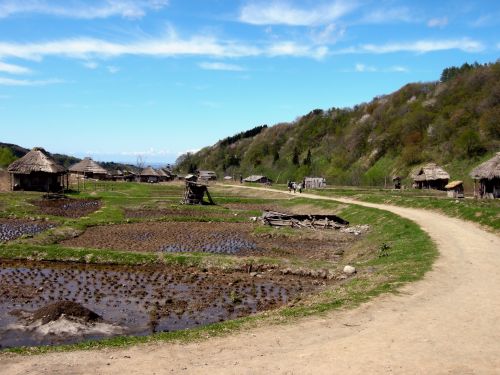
pixel 448 323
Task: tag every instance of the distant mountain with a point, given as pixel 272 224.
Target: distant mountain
pixel 454 122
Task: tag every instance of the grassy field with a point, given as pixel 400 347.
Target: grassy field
pixel 395 251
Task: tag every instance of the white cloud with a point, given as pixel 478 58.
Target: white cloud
pixel 294 49
pixel 81 9
pixel 420 46
pixel 26 82
pixel 13 69
pixel 438 22
pixel 398 69
pixel 221 66
pixel 113 69
pixel 90 64
pixel 283 13
pixel 388 15
pixel 328 35
pixel 364 68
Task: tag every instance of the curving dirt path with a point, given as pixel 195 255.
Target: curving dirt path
pixel 448 323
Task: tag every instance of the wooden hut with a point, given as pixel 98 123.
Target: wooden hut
pixel 430 176
pixel 207 175
pixel 88 168
pixel 149 175
pixel 163 176
pixel 488 176
pixel 314 182
pixel 37 171
pixel 455 189
pixel 258 179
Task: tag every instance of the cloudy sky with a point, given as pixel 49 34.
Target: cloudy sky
pixel 114 79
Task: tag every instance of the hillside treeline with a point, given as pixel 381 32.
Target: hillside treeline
pixel 454 122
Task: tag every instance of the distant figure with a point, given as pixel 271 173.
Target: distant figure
pixel 241 179
pixel 294 187
pixel 289 186
pixel 300 188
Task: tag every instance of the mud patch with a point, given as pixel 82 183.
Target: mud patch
pixel 67 207
pixel 10 229
pixel 221 238
pixel 176 212
pixel 131 300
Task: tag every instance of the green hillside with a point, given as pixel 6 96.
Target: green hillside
pixel 454 122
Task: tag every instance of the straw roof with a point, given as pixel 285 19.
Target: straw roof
pixel 162 173
pixel 149 172
pixel 87 165
pixel 430 172
pixel 453 184
pixel 489 170
pixel 255 178
pixel 37 160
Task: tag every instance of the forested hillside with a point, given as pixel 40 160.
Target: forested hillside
pixel 454 122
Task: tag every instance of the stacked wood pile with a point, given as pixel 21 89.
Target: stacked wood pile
pixel 195 192
pixel 279 219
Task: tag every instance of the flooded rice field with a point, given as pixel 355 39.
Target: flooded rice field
pixel 67 207
pixel 132 300
pixel 212 237
pixel 10 229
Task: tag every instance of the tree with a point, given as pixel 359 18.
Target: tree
pixel 307 160
pixel 6 157
pixel 295 157
pixel 469 144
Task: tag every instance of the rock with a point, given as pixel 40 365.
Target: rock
pixel 349 270
pixel 253 274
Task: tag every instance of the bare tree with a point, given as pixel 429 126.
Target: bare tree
pixel 140 161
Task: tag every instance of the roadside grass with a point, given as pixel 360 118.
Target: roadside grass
pixel 408 254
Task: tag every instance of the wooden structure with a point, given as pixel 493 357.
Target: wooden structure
pixel 396 180
pixel 38 171
pixel 258 179
pixel 88 168
pixel 207 175
pixel 430 176
pixel 488 176
pixel 148 174
pixel 119 175
pixel 455 189
pixel 195 193
pixel 314 182
pixel 163 176
pixel 278 219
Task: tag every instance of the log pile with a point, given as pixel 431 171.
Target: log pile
pixel 278 219
pixel 195 192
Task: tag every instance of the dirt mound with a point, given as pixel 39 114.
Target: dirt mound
pixel 70 309
pixel 67 207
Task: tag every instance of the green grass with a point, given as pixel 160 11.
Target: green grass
pixel 409 255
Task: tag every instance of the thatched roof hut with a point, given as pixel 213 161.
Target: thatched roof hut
pixel 430 176
pixel 148 174
pixel 455 189
pixel 88 168
pixel 259 179
pixel 314 182
pixel 38 171
pixel 207 175
pixel 488 175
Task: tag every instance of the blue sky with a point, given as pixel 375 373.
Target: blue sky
pixel 115 79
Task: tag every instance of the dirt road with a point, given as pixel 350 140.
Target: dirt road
pixel 448 323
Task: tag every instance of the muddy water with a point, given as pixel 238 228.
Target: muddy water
pixel 137 300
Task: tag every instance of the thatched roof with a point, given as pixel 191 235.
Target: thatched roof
pixel 87 165
pixel 37 160
pixel 149 172
pixel 255 178
pixel 489 170
pixel 430 172
pixel 207 174
pixel 453 184
pixel 162 173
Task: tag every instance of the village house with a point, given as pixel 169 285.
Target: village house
pixel 207 175
pixel 455 189
pixel 314 182
pixel 488 176
pixel 88 168
pixel 258 179
pixel 148 174
pixel 37 171
pixel 430 176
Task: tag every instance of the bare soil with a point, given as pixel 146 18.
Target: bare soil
pixel 165 212
pixel 446 323
pixel 67 207
pixel 224 238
